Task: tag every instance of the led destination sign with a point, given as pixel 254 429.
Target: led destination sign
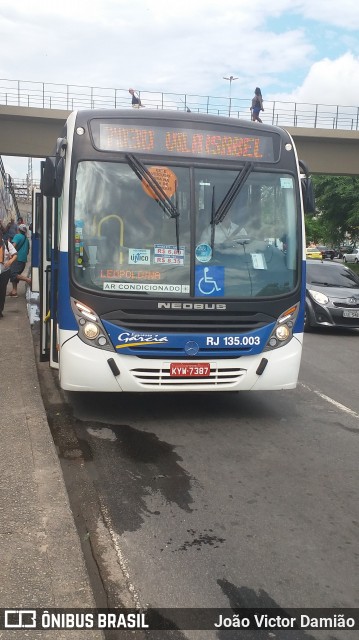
pixel 200 143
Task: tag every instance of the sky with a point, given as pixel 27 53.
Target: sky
pixel 295 50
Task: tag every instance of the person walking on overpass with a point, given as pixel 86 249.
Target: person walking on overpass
pixel 257 105
pixel 136 100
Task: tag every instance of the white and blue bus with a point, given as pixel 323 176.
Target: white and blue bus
pixel 173 253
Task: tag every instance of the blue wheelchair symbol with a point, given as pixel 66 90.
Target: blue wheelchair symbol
pixel 209 281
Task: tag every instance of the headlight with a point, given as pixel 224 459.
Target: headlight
pixel 91 330
pixel 319 297
pixel 283 330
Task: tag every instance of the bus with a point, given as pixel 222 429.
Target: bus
pixel 172 253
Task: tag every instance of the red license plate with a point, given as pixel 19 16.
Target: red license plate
pixel 190 369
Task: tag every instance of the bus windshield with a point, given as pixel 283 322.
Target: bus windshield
pixel 125 242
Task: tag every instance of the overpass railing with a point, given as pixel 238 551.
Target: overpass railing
pixel 25 93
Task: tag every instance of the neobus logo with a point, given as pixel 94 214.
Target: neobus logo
pixel 198 306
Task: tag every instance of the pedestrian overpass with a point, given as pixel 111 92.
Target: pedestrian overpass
pixel 32 132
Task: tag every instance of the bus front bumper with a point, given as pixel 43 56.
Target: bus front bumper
pixel 86 368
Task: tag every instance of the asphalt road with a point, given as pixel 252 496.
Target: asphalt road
pixel 329 364
pixel 223 500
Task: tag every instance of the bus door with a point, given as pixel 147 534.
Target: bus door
pixel 48 281
pixel 35 239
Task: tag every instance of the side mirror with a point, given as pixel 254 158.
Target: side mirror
pixel 308 195
pixel 48 177
pixel 52 177
pixel 59 176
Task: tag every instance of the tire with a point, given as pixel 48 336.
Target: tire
pixel 356 260
pixel 344 259
pixel 307 325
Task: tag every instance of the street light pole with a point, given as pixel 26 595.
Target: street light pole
pixel 231 78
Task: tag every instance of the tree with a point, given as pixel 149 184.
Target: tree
pixel 314 229
pixel 337 200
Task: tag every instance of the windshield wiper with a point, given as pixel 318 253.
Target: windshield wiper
pixel 232 192
pixel 161 196
pixel 213 214
pixel 332 284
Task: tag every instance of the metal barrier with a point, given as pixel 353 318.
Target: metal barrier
pixel 8 204
pixel 25 93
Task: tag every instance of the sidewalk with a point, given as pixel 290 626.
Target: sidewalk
pixel 41 561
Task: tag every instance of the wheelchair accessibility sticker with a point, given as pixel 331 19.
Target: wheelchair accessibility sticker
pixel 209 281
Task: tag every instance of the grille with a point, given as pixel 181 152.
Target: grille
pixel 344 305
pixel 160 377
pixel 158 351
pixel 161 322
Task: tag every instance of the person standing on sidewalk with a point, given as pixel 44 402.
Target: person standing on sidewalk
pixel 10 230
pixel 8 255
pixel 22 245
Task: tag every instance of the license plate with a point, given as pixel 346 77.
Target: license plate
pixel 351 313
pixel 190 369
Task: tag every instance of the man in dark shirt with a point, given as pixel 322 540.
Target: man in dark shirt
pixel 136 101
pixel 11 230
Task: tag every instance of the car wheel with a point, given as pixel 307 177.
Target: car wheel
pixel 307 325
pixel 356 260
pixel 344 259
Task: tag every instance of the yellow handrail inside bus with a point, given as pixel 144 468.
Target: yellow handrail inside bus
pixel 122 227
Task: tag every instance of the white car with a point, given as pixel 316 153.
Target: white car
pixel 352 257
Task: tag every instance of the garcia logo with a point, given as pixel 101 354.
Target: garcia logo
pixel 139 256
pixel 136 339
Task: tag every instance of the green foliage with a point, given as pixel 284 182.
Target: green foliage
pixel 313 230
pixel 337 203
